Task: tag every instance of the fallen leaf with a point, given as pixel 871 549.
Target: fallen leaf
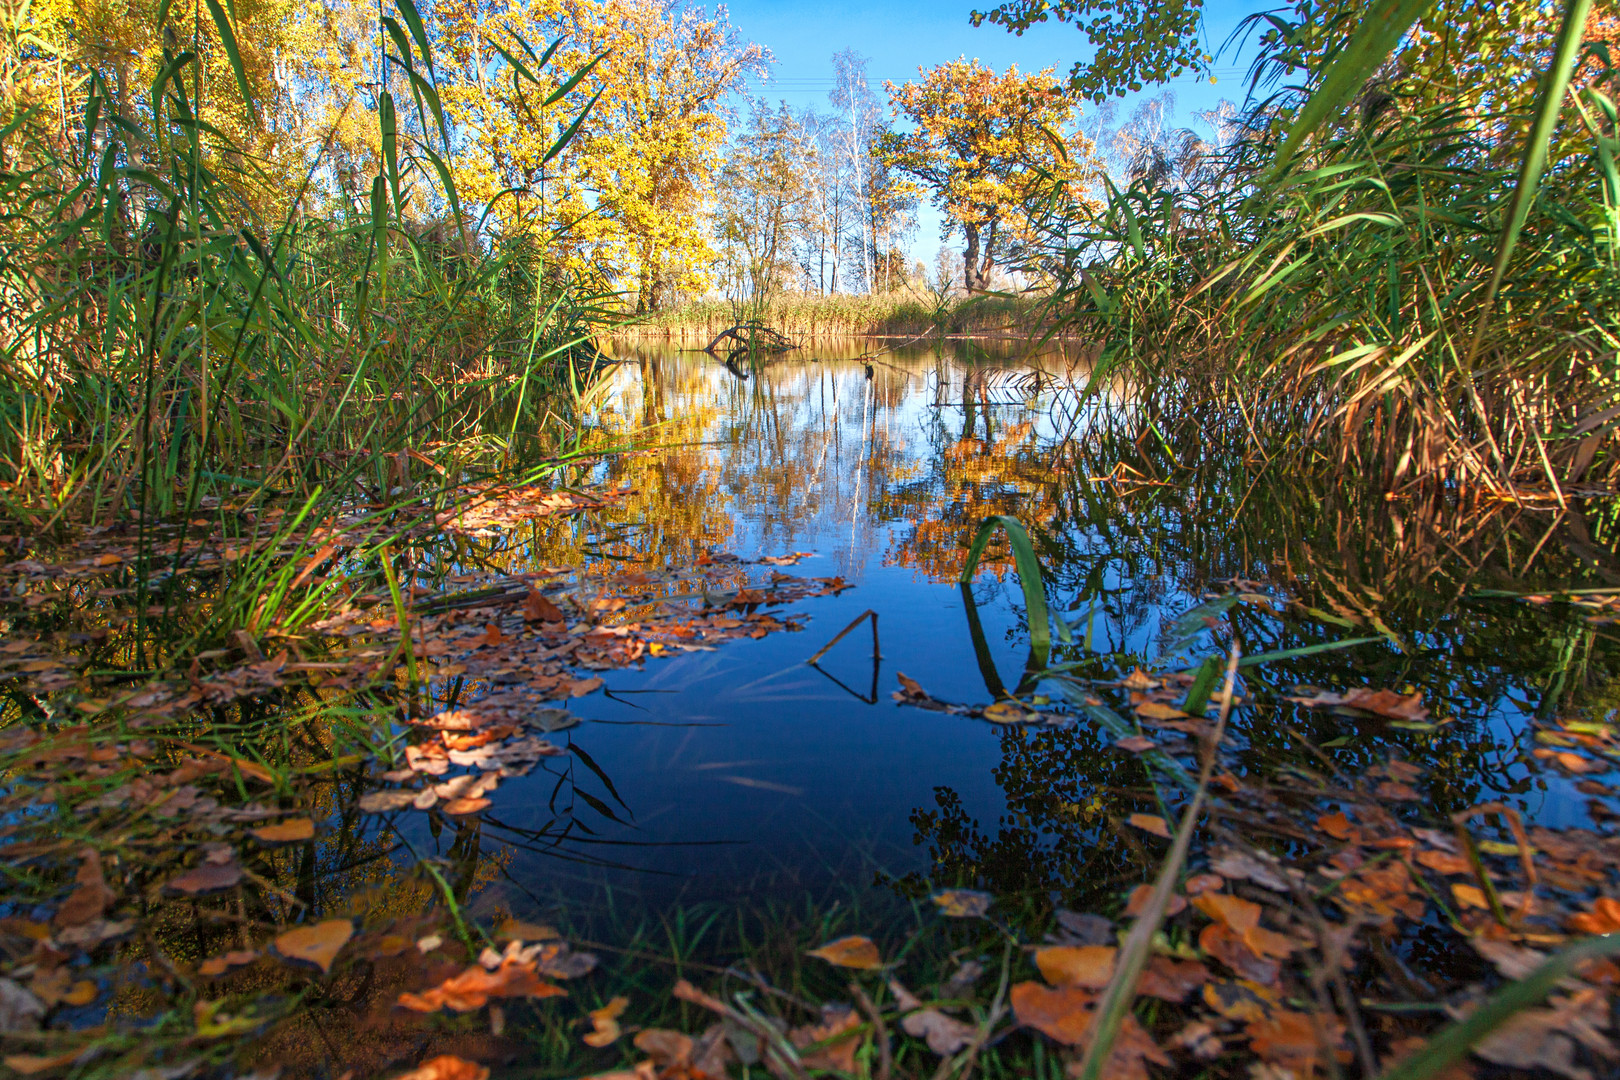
pixel 1005 712
pixel 536 608
pixel 1062 1013
pixel 91 899
pixel 945 1035
pixel 207 877
pixel 318 944
pixel 581 687
pixel 1336 825
pixel 605 1021
pixel 446 1067
pixel 1089 966
pixel 1604 918
pixel 962 903
pixel 1169 979
pixel 219 965
pixel 1242 917
pixel 458 807
pixel 1152 823
pixel 1540 1038
pixel 1290 1039
pixel 473 988
pixel 1138 902
pixel 1470 896
pixel 838 1024
pixel 911 686
pixel 850 952
pixel 382 802
pixel 29 1064
pixel 1444 862
pixel 1385 703
pixel 1202 883
pixel 1136 744
pixel 492 635
pixel 1156 710
pixel 286 832
pixel 1243 866
pixel 665 1047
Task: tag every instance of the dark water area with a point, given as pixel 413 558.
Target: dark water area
pixel 741 778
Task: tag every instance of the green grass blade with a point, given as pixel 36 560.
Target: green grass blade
pixel 1380 31
pixel 1534 162
pixel 1138 947
pixel 227 41
pixel 1029 576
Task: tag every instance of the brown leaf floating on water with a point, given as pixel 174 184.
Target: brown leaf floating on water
pixel 318 944
pixel 850 952
pixel 286 832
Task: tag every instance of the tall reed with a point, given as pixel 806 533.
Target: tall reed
pixel 1379 283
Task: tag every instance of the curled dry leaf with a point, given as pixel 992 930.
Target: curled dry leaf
pixel 318 944
pixel 850 952
pixel 473 988
pixel 605 1022
pixel 1088 966
pixel 446 1067
pixel 1005 712
pixel 962 903
pixel 291 831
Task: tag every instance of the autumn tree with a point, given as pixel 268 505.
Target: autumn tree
pixel 984 145
pixel 763 203
pixel 633 184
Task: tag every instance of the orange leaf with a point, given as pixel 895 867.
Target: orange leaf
pixel 581 687
pixel 285 832
pixel 318 944
pixel 851 952
pixel 1444 862
pixel 447 1067
pixel 1063 1013
pixel 1152 823
pixel 606 1022
pixel 840 1024
pixel 473 988
pixel 1336 825
pixel 1604 918
pixel 1143 893
pixel 1089 966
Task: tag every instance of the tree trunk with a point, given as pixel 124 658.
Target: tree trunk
pixel 976 261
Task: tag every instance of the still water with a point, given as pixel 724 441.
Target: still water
pixel 743 776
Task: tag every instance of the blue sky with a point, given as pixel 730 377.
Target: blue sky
pixel 898 37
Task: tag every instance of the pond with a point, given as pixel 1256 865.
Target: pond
pixel 788 720
pixel 745 776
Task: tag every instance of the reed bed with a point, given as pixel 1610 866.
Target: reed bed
pixel 905 313
pixel 1414 295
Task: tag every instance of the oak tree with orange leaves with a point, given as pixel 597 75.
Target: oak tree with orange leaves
pixel 985 145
